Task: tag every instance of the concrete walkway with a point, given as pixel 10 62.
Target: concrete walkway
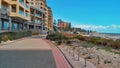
pixel 32 52
pixel 27 44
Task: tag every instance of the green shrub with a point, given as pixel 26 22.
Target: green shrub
pixel 94 40
pixel 35 33
pixel 15 35
pixel 68 42
pixel 107 61
pixel 10 37
pixel 5 38
pixel 56 37
pixel 59 42
pixel 79 37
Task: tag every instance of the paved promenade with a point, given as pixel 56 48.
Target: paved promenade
pixel 30 53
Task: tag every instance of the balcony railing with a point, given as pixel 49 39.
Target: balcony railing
pixel 21 12
pixel 37 15
pixel 27 6
pixel 5 8
pixel 21 2
pixel 37 21
pixel 27 15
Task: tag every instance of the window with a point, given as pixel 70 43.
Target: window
pixel 26 14
pixel 41 3
pixel 14 26
pixel 37 3
pixel 6 25
pixel 0 24
pixel 21 1
pixel 21 11
pixel 32 3
pixel 13 8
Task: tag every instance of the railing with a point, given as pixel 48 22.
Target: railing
pixel 31 12
pixel 27 15
pixel 27 6
pixel 5 8
pixel 0 24
pixel 37 15
pixel 21 2
pixel 38 21
pixel 21 12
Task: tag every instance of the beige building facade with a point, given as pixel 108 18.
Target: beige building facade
pixel 14 14
pixel 19 14
pixel 50 19
pixel 43 5
pixel 25 14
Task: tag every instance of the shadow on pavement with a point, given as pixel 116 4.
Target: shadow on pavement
pixel 26 59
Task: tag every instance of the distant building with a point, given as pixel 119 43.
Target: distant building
pixel 64 25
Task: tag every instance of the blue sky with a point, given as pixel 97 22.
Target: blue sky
pixel 97 15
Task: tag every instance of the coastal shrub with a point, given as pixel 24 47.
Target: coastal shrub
pixel 10 37
pixel 99 41
pixel 15 35
pixel 56 37
pixel 35 33
pixel 116 45
pixel 59 42
pixel 79 37
pixel 5 38
pixel 107 61
pixel 68 42
pixel 94 40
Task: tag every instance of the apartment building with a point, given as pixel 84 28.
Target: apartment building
pixel 43 5
pixel 20 15
pixel 14 14
pixel 64 25
pixel 50 19
pixel 37 18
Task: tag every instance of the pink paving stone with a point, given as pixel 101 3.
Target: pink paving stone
pixel 60 60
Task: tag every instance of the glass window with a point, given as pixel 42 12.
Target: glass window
pixel 6 25
pixel 14 26
pixel 0 25
pixel 13 8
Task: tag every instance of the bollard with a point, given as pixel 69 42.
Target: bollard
pixel 73 51
pixel 98 60
pixel 69 50
pixel 85 62
pixel 78 55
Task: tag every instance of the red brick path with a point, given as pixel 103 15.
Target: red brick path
pixel 59 58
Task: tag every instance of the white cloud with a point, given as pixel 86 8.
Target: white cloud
pixel 98 27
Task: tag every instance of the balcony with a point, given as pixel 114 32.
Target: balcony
pixel 38 15
pixel 27 6
pixel 37 21
pixel 5 8
pixel 27 15
pixel 21 12
pixel 21 2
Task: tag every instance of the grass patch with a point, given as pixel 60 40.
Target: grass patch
pixel 107 49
